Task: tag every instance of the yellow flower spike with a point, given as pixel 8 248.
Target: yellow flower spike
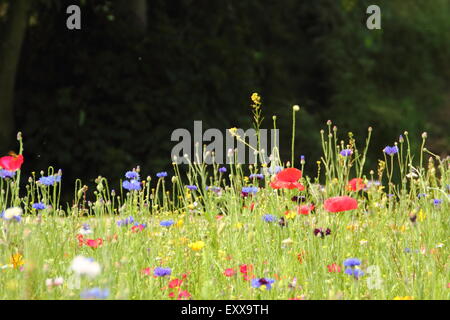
pixel 421 215
pixel 256 98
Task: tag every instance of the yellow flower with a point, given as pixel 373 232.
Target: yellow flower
pixel 197 246
pixel 256 98
pixel 17 260
pixel 291 215
pixel 403 298
pixel 180 223
pixel 422 215
pixel 238 225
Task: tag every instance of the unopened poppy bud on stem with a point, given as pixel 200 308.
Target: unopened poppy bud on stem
pixel 296 108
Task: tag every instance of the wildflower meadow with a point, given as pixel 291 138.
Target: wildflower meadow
pixel 268 230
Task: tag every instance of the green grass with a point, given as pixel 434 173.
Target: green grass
pixel 401 240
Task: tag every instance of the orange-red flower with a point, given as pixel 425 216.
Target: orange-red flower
pixel 356 184
pixel 339 204
pixel 334 268
pixel 305 209
pixel 93 243
pixel 288 179
pixel 12 162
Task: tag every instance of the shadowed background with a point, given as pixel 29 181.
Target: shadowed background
pixel 104 99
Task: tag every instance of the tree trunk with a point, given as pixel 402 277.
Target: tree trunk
pixel 13 34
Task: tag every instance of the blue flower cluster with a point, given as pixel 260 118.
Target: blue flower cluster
pixel 269 218
pixel 95 293
pixel 351 263
pixel 39 206
pixel 166 223
pixel 133 182
pixel 257 283
pixel 4 174
pixel 346 152
pixel 125 221
pixel 50 180
pixel 161 174
pixel 390 150
pixel 162 272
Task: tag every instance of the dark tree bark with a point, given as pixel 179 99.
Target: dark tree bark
pixel 11 39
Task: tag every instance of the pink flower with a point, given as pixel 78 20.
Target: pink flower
pixel 229 272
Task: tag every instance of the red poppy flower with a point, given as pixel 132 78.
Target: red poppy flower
pixel 288 179
pixel 305 209
pixel 356 184
pixel 229 272
pixel 334 268
pixel 175 283
pixel 94 243
pixel 183 294
pixel 246 268
pixel 137 228
pixel 147 271
pixel 11 163
pixel 339 204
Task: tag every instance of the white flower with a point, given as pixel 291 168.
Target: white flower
pixel 12 212
pixel 58 281
pixel 85 266
pixel 84 231
pixel 54 282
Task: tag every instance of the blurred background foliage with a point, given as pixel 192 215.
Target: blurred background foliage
pixel 104 99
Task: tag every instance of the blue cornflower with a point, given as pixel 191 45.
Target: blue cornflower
pixel 132 175
pixel 269 218
pixel 162 272
pixel 372 183
pixel 256 283
pixel 191 187
pixel 39 206
pixel 390 150
pixel 166 223
pixel 4 174
pixel 256 176
pixel 275 170
pixel 161 174
pixel 95 293
pixel 407 250
pixel 131 185
pixel 352 262
pixel 222 169
pixel 421 195
pixel 247 190
pixel 346 152
pixel 437 202
pixel 213 188
pixel 354 272
pixel 302 158
pixel 125 221
pixel 50 180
